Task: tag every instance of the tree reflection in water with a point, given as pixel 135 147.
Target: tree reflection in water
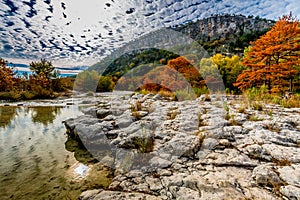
pixel 44 114
pixel 7 114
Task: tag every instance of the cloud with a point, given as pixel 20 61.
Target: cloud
pixel 75 31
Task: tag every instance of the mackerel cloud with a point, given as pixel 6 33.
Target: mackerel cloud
pixel 75 32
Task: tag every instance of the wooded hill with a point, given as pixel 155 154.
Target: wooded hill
pixel 225 34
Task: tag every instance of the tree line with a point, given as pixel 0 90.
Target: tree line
pixel 43 83
pixel 272 61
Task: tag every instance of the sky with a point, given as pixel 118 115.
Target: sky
pixel 82 32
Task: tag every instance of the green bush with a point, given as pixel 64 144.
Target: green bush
pixel 257 93
pixel 200 91
pixel 105 84
pixel 185 95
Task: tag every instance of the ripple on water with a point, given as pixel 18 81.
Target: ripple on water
pixel 34 161
pixel 32 149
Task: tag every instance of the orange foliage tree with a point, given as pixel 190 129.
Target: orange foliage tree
pixel 271 59
pixel 7 80
pixel 188 71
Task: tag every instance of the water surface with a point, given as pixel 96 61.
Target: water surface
pixel 34 161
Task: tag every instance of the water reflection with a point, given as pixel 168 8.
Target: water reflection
pixel 40 114
pixel 7 114
pixel 33 158
pixel 80 152
pixel 45 115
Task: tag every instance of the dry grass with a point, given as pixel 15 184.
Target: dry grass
pixel 253 118
pixel 172 114
pixel 282 162
pixel 257 106
pixel 135 110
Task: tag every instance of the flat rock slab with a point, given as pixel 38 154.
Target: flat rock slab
pixel 115 195
pixel 194 149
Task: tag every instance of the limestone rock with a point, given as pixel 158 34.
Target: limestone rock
pixel 265 175
pixel 108 195
pixel 291 192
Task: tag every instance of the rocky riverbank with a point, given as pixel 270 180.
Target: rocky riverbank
pixel 213 147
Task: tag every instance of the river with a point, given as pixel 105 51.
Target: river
pixel 34 160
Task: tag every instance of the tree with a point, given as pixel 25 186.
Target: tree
pixel 105 84
pixel 42 66
pixel 272 58
pixel 188 71
pixel 87 81
pixel 210 72
pixel 229 68
pixel 7 79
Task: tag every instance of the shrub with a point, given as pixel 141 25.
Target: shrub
pixel 105 84
pixel 257 93
pixel 62 84
pixel 11 95
pixel 144 91
pixel 200 91
pixel 27 95
pixel 293 102
pixel 185 95
pixel 166 93
pixel 257 106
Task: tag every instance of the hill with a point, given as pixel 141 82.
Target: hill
pixel 225 34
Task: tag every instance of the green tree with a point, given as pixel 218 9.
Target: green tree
pixel 42 66
pixel 105 84
pixel 209 71
pixel 229 68
pixel 87 81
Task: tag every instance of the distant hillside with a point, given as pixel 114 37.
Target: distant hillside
pixel 226 34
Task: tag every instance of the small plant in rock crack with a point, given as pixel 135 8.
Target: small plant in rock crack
pixel 282 162
pixel 144 144
pixel 226 107
pixel 242 109
pixel 172 114
pixel 257 106
pixel 273 127
pixel 227 116
pixel 207 97
pixel 150 108
pixel 135 108
pixel 136 115
pixel 233 122
pixel 253 118
pixel 201 136
pixel 269 112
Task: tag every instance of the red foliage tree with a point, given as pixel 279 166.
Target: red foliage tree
pixel 272 58
pixel 185 67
